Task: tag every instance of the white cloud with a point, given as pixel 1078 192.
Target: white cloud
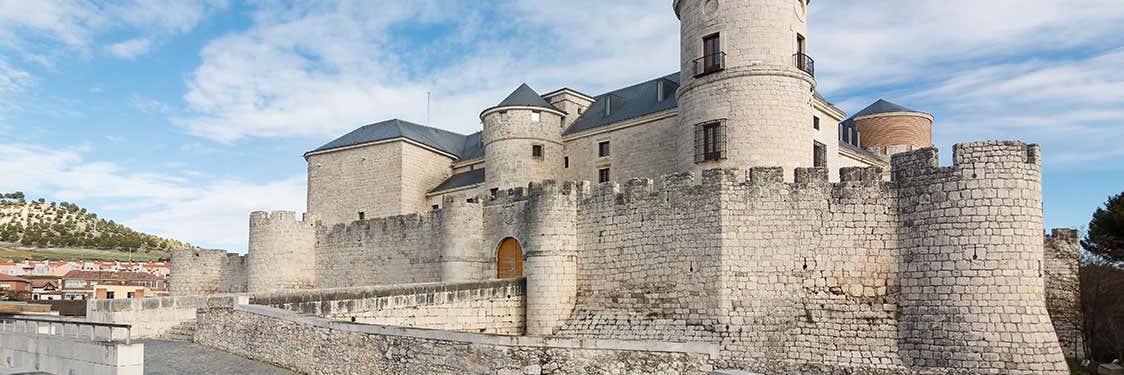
pixel 148 105
pixel 322 70
pixel 130 49
pixel 211 214
pixel 116 139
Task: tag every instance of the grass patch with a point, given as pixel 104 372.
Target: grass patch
pixel 9 252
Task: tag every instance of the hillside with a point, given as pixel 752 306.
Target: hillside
pixel 64 225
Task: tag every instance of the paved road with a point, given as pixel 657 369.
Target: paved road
pixel 174 357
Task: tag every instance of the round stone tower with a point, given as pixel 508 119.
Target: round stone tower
pixel 746 85
pixel 281 253
pixel 522 140
pixel 888 128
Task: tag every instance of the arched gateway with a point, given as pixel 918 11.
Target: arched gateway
pixel 509 259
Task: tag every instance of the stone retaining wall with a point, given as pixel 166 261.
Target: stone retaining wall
pixel 150 317
pixel 322 346
pixel 493 306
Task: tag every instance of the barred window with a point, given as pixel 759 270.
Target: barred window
pixel 536 151
pixel 603 175
pixel 710 141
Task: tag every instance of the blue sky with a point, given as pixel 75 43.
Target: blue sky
pixel 180 117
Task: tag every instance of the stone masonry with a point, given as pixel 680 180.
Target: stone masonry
pixel 1063 290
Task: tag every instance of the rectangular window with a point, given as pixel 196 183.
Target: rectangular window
pixel 436 207
pixel 710 143
pixel 503 116
pixel 535 116
pixel 362 215
pixel 129 295
pixel 816 122
pixel 494 192
pixel 712 53
pixel 603 149
pixel 819 155
pixel 603 175
pixel 566 161
pixel 109 295
pixel 536 151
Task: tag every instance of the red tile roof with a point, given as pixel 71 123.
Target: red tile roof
pixel 109 275
pixel 40 283
pixel 4 277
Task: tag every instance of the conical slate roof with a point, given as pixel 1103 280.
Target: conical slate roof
pixel 524 96
pixel 882 106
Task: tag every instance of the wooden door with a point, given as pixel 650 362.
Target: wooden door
pixel 509 259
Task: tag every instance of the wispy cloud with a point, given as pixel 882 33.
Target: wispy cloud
pixel 130 49
pixel 212 214
pixel 149 105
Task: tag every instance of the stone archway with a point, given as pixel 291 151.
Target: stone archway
pixel 509 259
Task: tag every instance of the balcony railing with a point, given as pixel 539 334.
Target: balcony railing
pixel 805 63
pixel 711 63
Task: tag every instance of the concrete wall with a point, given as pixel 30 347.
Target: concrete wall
pixel 322 346
pixel 27 353
pixel 197 271
pixel 494 306
pixel 150 317
pixel 1063 290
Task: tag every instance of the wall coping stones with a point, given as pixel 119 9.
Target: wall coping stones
pixel 363 292
pixel 710 349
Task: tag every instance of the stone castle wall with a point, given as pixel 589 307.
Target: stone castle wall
pixel 1063 290
pixel 281 253
pixel 198 271
pixel 493 307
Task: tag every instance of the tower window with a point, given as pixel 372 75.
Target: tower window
pixel 603 175
pixel 536 151
pixel 713 58
pixel 504 116
pixel 710 142
pixel 362 215
pixel 566 161
pixel 816 122
pixel 536 116
pixel 819 155
pixel 603 149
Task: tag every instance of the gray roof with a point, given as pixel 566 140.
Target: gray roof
pixel 524 96
pixel 630 102
pixel 445 141
pixel 473 146
pixel 882 106
pixel 462 179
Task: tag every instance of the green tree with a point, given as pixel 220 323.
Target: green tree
pixel 1105 236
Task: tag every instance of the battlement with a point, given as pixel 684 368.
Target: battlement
pixel 535 189
pixel 923 162
pixel 278 217
pixel 1063 235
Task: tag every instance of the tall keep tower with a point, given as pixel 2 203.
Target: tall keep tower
pixel 522 140
pixel 745 95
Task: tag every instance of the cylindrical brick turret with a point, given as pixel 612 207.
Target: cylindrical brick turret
pixel 522 140
pixel 888 128
pixel 744 67
pixel 972 285
pixel 281 253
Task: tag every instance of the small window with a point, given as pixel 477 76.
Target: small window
pixel 436 207
pixel 536 151
pixel 494 192
pixel 603 175
pixel 362 215
pixel 816 122
pixel 566 161
pixel 129 295
pixel 819 155
pixel 710 143
pixel 504 116
pixel 712 53
pixel 536 116
pixel 603 149
pixel 109 295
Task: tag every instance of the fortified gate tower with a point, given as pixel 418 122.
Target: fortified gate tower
pixel 745 98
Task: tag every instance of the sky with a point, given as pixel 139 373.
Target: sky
pixel 180 117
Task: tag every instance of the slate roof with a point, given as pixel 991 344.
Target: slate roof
pixel 882 106
pixel 627 103
pixel 445 141
pixel 524 96
pixel 462 179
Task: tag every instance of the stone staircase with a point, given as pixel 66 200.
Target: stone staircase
pixel 184 331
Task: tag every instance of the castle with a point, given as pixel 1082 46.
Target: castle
pixel 716 217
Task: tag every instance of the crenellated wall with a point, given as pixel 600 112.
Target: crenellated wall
pixel 281 253
pixel 1063 290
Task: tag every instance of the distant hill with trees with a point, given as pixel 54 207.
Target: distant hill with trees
pixel 38 223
